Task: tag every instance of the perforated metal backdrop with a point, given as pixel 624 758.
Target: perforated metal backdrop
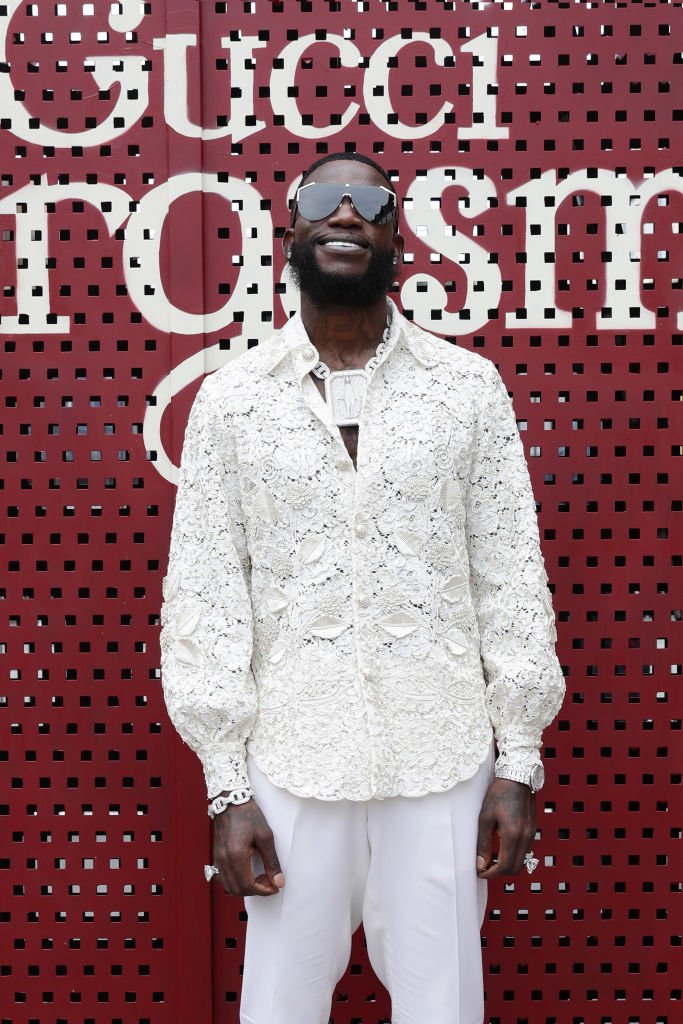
pixel 537 145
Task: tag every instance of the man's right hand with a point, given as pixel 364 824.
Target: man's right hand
pixel 239 832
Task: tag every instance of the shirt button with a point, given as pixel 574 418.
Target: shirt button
pixel 309 354
pixel 366 674
pixel 363 600
pixel 361 530
pixel 342 464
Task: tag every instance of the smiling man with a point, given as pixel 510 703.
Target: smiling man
pixel 358 640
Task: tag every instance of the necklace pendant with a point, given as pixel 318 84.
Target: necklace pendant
pixel 344 394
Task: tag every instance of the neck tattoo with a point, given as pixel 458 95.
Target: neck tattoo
pixel 345 389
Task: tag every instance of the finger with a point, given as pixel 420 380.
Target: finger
pixel 517 841
pixel 243 872
pixel 492 868
pixel 220 857
pixel 512 850
pixel 484 847
pixel 524 848
pixel 224 878
pixel 516 857
pixel 226 875
pixel 250 884
pixel 263 885
pixel 501 863
pixel 265 844
pixel 513 847
pixel 217 876
pixel 244 883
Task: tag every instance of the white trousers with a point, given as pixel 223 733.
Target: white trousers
pixel 406 868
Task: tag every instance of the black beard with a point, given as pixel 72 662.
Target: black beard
pixel 355 290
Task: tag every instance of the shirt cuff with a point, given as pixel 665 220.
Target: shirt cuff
pixel 223 778
pixel 519 761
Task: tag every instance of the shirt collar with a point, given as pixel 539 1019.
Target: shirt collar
pixel 293 339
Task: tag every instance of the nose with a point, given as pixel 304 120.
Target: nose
pixel 345 213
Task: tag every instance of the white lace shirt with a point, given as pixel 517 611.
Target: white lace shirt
pixel 360 632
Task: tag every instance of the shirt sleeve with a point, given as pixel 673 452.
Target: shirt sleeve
pixel 206 636
pixel 525 685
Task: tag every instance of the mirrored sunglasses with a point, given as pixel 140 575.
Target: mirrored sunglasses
pixel 318 200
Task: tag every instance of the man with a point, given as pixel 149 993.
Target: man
pixel 356 603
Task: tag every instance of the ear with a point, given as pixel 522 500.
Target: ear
pixel 397 245
pixel 287 240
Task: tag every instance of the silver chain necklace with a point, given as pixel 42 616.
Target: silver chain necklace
pixel 345 389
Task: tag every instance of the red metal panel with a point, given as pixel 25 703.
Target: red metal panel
pixel 105 912
pixel 106 915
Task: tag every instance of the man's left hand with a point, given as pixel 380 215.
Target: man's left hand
pixel 509 809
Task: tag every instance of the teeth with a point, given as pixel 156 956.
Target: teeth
pixel 342 245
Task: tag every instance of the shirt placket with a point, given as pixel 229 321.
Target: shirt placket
pixel 361 540
pixel 305 360
pixel 361 527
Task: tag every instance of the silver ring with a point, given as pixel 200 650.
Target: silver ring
pixel 530 862
pixel 209 871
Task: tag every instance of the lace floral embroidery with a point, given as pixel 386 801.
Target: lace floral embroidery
pixel 360 632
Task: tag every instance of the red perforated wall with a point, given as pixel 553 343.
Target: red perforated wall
pixel 147 154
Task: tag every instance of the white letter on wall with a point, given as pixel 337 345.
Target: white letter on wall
pixel 252 294
pixel 29 207
pixel 241 52
pixel 282 81
pixel 141 253
pixel 131 104
pixel 377 78
pixel 484 90
pixel 424 213
pixel 621 308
